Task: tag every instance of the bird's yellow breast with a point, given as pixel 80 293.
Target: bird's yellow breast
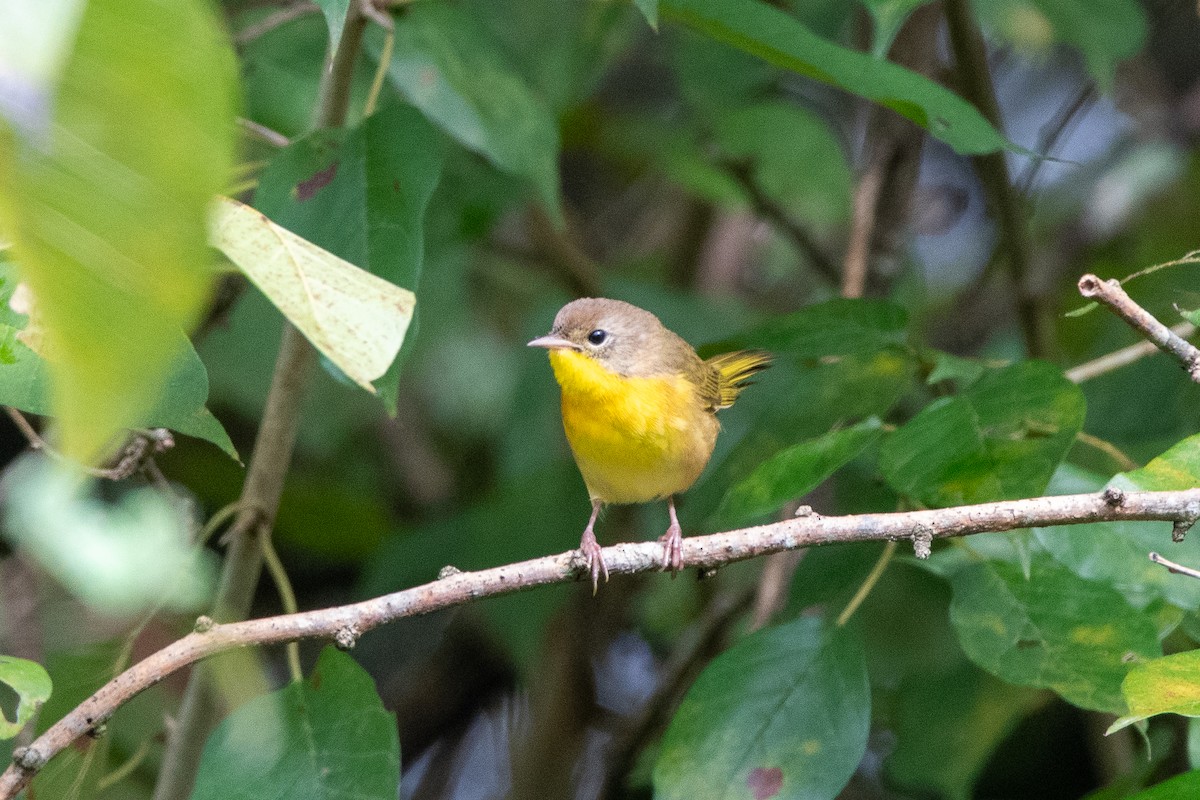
pixel 634 438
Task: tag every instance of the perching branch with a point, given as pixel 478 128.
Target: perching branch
pixel 1123 357
pixel 1112 295
pixel 344 624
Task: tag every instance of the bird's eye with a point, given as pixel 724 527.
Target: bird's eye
pixel 597 337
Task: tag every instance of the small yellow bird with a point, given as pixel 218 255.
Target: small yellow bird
pixel 639 408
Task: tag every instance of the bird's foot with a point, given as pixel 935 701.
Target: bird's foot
pixel 672 542
pixel 593 556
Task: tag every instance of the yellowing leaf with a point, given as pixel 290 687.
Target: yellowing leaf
pixel 1162 685
pixel 356 320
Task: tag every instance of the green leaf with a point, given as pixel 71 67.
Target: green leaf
pixel 1180 787
pixel 32 685
pixel 335 19
pixel 327 738
pixel 120 557
pixel 889 17
pixel 446 66
pixel 826 330
pixel 1001 439
pixel 1106 32
pixel 1177 468
pixel 784 713
pixel 142 130
pixel 353 318
pixel 1051 630
pixel 794 472
pixel 1170 684
pixel 649 9
pixel 361 195
pixel 780 141
pixel 973 713
pixel 1114 553
pixel 780 39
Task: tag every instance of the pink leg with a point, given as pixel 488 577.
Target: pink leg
pixel 672 541
pixel 591 549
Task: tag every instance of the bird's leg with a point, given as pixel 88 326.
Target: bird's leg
pixel 672 541
pixel 590 548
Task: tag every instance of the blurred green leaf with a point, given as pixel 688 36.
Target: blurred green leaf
pixel 1177 468
pixel 1170 684
pixel 361 194
pixel 1001 439
pixel 794 472
pixel 780 141
pixel 1180 787
pixel 355 319
pixel 1106 32
pixel 972 712
pixel 446 66
pixel 32 685
pixel 948 367
pixel 335 19
pixel 1114 553
pixel 889 17
pixel 1051 630
pixel 649 9
pixel 326 738
pixel 825 331
pixel 780 39
pixel 784 713
pixel 142 130
pixel 119 558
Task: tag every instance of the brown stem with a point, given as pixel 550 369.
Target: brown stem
pixel 1123 357
pixel 344 624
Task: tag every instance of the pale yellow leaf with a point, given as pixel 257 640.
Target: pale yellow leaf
pixel 357 320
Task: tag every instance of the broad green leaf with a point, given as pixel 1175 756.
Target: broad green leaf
pixel 784 713
pixel 782 140
pixel 1177 468
pixel 649 9
pixel 1051 630
pixel 794 472
pixel 120 557
pixel 446 66
pixel 826 330
pixel 1170 684
pixel 353 318
pixel 25 381
pixel 1106 32
pixel 32 685
pixel 973 713
pixel 948 367
pixel 37 41
pixel 780 39
pixel 361 194
pixel 335 19
pixel 1001 439
pixel 889 17
pixel 1114 553
pixel 1181 787
pixel 326 738
pixel 106 209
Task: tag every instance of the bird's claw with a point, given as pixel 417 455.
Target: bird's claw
pixel 672 542
pixel 593 557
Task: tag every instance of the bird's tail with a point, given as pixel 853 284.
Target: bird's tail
pixel 735 371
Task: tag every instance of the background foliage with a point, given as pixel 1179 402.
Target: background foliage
pixel 705 159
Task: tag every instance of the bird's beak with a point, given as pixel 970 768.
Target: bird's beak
pixel 552 342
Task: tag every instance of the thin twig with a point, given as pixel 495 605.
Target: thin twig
pixel 27 430
pixel 385 57
pixel 1109 449
pixel 771 211
pixel 344 624
pixel 287 601
pixel 1112 295
pixel 1053 130
pixel 862 226
pixel 1123 357
pixel 885 558
pixel 260 131
pixel 1173 567
pixel 273 21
